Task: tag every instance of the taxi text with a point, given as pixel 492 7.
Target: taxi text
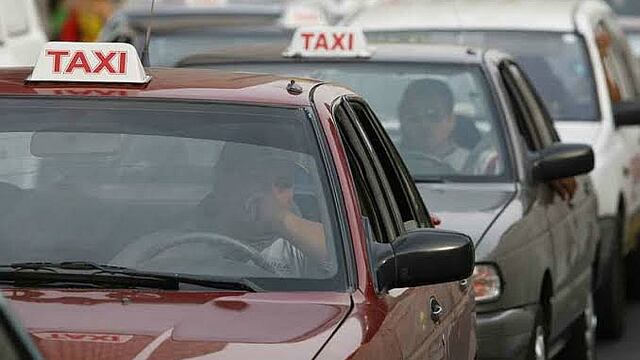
pixel 112 62
pixel 328 41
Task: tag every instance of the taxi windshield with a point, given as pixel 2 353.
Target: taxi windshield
pixel 557 63
pixel 441 117
pixel 231 191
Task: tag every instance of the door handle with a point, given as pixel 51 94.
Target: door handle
pixel 436 310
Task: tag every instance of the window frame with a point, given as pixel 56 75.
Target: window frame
pixel 521 112
pixel 395 165
pixel 541 119
pixel 362 165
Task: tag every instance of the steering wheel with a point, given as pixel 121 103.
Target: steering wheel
pixel 415 161
pixel 150 246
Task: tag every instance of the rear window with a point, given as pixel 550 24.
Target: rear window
pixel 169 187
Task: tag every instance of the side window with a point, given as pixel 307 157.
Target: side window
pixel 612 55
pixel 368 190
pixel 522 113
pixel 541 120
pixel 404 200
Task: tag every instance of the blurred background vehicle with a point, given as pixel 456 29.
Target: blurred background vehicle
pixel 183 27
pixel 629 14
pixel 78 20
pixel 581 64
pixel 21 32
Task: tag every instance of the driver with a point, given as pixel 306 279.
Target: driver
pixel 427 123
pixel 296 237
pixel 253 202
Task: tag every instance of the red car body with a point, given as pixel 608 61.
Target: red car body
pixel 136 324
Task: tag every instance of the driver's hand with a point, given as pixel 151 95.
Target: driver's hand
pixel 275 206
pixel 566 188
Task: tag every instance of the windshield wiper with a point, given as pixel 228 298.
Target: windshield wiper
pixel 104 274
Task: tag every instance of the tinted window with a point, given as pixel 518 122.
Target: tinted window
pixel 557 63
pixel 163 186
pixel 546 134
pixel 441 117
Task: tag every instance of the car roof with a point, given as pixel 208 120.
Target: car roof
pixel 381 52
pixel 538 15
pixel 177 14
pixel 178 84
pixel 143 7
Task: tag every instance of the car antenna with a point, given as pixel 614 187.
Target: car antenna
pixel 147 39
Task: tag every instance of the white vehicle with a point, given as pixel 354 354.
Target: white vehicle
pixel 577 56
pixel 21 33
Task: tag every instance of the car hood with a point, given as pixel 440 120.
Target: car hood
pixel 467 208
pixel 105 325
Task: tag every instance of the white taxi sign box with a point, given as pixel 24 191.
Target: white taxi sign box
pixel 328 42
pixel 89 62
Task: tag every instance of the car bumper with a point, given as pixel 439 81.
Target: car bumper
pixel 505 334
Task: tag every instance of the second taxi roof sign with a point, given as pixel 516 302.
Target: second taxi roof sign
pixel 328 42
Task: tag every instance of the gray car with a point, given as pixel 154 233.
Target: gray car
pixel 536 253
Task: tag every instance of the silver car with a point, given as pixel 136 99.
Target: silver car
pixel 581 64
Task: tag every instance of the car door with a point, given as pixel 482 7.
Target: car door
pixel 568 251
pixel 619 73
pixel 421 318
pixel 459 321
pixel 407 313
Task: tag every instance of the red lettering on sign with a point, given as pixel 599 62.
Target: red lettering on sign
pixel 337 41
pixel 123 63
pixel 78 61
pixel 350 41
pixel 104 62
pixel 321 42
pixel 57 59
pixel 75 336
pixel 89 92
pixel 307 40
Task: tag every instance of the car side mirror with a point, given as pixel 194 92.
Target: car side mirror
pixel 562 161
pixel 626 113
pixel 426 256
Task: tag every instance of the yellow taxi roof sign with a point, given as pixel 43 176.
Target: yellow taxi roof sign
pixel 328 42
pixel 89 62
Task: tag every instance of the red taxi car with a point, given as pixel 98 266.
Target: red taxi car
pixel 195 214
